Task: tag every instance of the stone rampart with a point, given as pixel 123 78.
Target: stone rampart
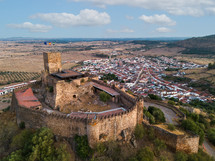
pixel 178 142
pixel 117 126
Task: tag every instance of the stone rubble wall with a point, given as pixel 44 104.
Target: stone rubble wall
pixel 118 126
pixel 188 142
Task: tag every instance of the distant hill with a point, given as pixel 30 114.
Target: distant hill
pixel 197 45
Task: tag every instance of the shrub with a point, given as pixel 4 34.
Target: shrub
pixel 171 102
pixel 139 131
pixel 22 125
pixel 181 156
pixel 145 154
pixel 157 113
pixel 104 96
pixel 171 127
pixel 159 145
pixel 150 117
pixel 154 97
pixel 51 89
pixel 82 148
pixel 6 109
pixel 211 135
pixel 82 80
pixel 193 127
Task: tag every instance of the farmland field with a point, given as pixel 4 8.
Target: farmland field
pixel 7 77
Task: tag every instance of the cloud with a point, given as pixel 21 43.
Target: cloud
pixel 163 30
pixel 129 17
pixel 176 7
pixel 158 19
pixel 211 10
pixel 86 17
pixel 125 30
pixel 31 27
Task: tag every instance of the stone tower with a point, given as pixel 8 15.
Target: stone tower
pixel 52 62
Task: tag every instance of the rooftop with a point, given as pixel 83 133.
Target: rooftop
pixel 67 74
pixel 27 99
pixel 108 90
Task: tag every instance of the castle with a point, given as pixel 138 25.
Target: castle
pixel 68 102
pixel 59 103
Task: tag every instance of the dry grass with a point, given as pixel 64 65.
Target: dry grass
pixel 176 131
pixel 197 60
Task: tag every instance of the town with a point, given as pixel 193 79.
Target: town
pixel 144 75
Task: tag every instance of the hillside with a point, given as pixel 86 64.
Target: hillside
pixel 197 45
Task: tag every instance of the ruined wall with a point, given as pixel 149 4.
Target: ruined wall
pixel 187 142
pixel 61 125
pixel 64 91
pixel 52 62
pixel 115 127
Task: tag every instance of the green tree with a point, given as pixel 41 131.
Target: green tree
pixel 139 131
pixel 211 135
pixel 193 127
pixel 43 146
pixel 104 96
pixel 145 154
pixel 181 156
pixel 82 148
pixel 157 113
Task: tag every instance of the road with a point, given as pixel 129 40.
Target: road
pixel 169 114
pixel 208 148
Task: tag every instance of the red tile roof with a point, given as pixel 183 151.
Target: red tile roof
pixel 26 98
pixel 110 91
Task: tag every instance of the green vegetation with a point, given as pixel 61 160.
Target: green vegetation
pixel 154 97
pixel 82 80
pixel 150 117
pixel 109 76
pixel 171 69
pixel 206 106
pixel 171 102
pixel 51 89
pixel 203 85
pixel 190 125
pixel 171 127
pixel 104 96
pixel 197 45
pixel 101 55
pixel 157 113
pixel 211 66
pixel 211 135
pixel 139 131
pixel 200 156
pixel 176 79
pixel 199 51
pixel 82 148
pixel 159 146
pixel 130 92
pixel 8 77
pixel 40 145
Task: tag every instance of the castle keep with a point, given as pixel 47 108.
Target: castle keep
pixel 67 102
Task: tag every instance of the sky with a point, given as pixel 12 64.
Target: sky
pixel 106 18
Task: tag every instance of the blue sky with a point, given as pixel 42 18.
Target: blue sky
pixel 106 18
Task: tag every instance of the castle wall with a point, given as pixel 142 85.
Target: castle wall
pixel 187 142
pixel 61 125
pixel 112 127
pixel 64 91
